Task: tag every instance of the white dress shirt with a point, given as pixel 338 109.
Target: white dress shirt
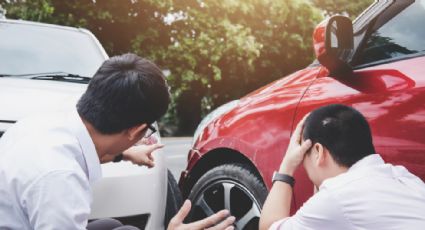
pixel 370 195
pixel 47 164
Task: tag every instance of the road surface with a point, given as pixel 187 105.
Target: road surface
pixel 175 150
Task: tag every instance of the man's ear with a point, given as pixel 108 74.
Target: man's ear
pixel 321 154
pixel 136 132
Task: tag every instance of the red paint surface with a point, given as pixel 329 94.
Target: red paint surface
pixel 391 96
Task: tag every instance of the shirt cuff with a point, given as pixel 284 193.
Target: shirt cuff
pixel 278 224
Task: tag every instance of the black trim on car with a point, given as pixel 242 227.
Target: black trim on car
pixel 139 221
pixel 390 60
pixel 7 121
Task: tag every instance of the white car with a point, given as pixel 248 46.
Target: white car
pixel 47 67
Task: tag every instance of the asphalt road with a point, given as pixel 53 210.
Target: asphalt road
pixel 176 149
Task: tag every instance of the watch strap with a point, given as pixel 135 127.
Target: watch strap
pixel 283 178
pixel 118 158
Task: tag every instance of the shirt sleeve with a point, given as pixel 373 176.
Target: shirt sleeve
pixel 58 200
pixel 321 211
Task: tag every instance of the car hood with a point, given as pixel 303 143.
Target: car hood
pixel 275 102
pixel 21 97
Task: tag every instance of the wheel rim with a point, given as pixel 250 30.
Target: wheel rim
pixel 230 195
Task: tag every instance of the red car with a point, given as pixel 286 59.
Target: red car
pixel 376 65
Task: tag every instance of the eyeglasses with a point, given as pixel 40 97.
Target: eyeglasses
pixel 150 131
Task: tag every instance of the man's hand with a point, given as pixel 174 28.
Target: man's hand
pixel 208 223
pixel 296 151
pixel 142 154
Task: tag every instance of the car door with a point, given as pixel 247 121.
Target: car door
pixel 387 85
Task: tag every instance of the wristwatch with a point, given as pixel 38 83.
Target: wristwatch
pixel 284 178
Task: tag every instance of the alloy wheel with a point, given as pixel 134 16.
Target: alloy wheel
pixel 230 195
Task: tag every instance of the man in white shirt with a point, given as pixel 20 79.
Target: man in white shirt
pixel 48 163
pixel 356 189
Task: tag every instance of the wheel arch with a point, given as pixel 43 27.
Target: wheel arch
pixel 213 158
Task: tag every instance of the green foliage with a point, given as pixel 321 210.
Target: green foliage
pixel 215 50
pixel 220 50
pixel 349 7
pixel 39 10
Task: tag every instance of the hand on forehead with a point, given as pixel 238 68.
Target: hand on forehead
pixel 300 128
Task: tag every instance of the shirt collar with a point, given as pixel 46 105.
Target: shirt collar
pixel 370 160
pixel 88 148
pixel 365 163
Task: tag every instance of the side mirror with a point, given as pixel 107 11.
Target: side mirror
pixel 333 42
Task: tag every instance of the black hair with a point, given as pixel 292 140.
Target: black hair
pixel 343 130
pixel 126 90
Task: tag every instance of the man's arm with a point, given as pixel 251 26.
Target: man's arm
pixel 58 200
pixel 278 202
pixel 277 205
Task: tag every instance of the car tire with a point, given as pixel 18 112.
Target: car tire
pixel 174 199
pixel 234 187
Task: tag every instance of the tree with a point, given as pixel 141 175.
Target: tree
pixel 215 50
pixel 40 10
pixel 220 50
pixel 115 22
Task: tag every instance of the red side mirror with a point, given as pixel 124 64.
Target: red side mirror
pixel 333 42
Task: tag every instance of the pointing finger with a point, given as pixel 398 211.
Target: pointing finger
pixel 155 147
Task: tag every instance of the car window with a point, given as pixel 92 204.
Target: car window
pixel 402 35
pixel 31 49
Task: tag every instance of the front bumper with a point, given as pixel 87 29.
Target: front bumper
pixel 129 190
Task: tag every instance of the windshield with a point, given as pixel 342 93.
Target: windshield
pixel 29 49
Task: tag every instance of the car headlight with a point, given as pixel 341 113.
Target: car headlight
pixel 211 116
